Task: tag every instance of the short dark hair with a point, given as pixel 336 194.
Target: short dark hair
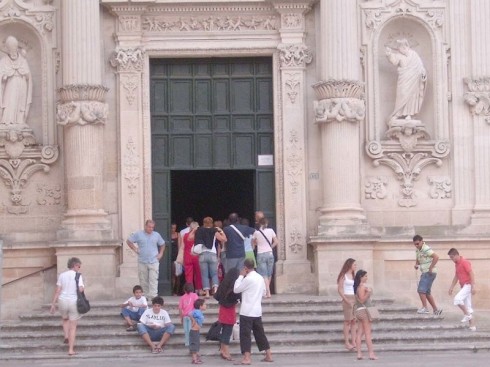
pixel 249 264
pixel 72 262
pixel 198 303
pixel 453 251
pixel 188 288
pixel 417 238
pixel 157 300
pixel 137 288
pixel 233 218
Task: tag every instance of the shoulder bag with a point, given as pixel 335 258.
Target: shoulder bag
pixel 83 305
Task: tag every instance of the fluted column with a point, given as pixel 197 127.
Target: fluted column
pixel 463 141
pixel 339 110
pixel 83 112
pixel 478 97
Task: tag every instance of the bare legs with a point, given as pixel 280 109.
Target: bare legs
pixel 267 281
pixel 364 329
pixel 427 297
pixel 349 331
pixel 70 331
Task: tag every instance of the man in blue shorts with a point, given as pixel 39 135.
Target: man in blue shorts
pixel 426 259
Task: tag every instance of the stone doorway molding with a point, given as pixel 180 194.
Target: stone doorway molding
pixel 206 29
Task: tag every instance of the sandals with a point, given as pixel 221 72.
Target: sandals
pixel 156 350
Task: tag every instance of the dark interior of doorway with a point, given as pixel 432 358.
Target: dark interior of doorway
pixel 213 193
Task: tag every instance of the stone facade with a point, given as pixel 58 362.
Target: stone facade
pixel 354 178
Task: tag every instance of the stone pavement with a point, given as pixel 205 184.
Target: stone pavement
pixel 391 359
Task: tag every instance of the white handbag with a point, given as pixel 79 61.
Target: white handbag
pixel 196 249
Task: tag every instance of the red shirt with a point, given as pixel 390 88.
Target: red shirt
pixel 463 269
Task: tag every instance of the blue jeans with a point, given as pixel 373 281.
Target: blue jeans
pixel 133 315
pixel 208 261
pixel 425 284
pixel 186 323
pixel 155 334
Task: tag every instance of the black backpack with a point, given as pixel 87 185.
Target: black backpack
pixel 214 332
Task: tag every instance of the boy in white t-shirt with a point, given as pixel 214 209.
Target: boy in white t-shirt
pixel 134 307
pixel 155 326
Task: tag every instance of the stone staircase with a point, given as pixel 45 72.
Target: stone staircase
pixel 293 324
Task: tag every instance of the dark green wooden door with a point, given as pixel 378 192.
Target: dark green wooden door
pixel 210 114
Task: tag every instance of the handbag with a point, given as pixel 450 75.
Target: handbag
pixel 196 249
pixel 83 305
pixel 372 313
pixel 214 332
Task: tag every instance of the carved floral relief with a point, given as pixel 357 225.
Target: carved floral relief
pixel 375 187
pixel 440 187
pixel 478 96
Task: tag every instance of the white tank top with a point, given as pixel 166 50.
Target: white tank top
pixel 348 285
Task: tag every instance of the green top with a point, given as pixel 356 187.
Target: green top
pixel 424 258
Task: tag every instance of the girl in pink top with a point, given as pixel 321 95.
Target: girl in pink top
pixel 186 306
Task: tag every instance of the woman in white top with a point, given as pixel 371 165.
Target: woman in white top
pixel 265 240
pixel 66 296
pixel 345 286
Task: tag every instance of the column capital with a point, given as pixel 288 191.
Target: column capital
pixel 339 100
pixel 478 96
pixel 82 104
pixel 294 55
pixel 128 59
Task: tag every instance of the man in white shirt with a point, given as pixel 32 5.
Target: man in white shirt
pixel 252 287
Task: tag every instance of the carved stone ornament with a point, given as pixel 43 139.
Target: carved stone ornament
pixel 292 85
pixel 296 238
pixel 130 84
pixel 131 167
pixel 82 104
pixel 40 16
pixel 127 59
pixel 294 161
pixel 407 133
pixel 209 23
pixel 375 187
pixel 339 100
pixel 440 187
pixel 294 55
pixel 49 195
pixel 478 96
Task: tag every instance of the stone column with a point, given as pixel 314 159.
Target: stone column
pixel 293 270
pixel 86 231
pixel 339 110
pixel 477 98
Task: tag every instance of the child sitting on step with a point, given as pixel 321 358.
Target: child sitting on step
pixel 134 307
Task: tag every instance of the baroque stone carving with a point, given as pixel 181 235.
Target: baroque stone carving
pixel 295 237
pixel 209 23
pixel 15 87
pixel 375 187
pixel 130 85
pixel 407 132
pixel 131 167
pixel 478 96
pixel 292 86
pixel 407 167
pixel 294 55
pixel 339 100
pixel 295 161
pixel 292 20
pixel 441 187
pixel 82 104
pixel 129 23
pixel 48 195
pixel 41 17
pixel 127 59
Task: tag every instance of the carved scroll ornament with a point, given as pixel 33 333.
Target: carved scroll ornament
pixel 478 96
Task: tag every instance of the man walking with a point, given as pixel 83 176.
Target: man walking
pixel 235 242
pixel 252 287
pixel 426 259
pixel 464 274
pixel 150 250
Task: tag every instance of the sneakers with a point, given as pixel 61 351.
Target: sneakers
pixel 466 318
pixel 423 310
pixel 472 328
pixel 437 312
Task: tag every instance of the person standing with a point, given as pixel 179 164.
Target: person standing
pixel 466 278
pixel 363 300
pixel 252 287
pixel 265 240
pixel 66 297
pixel 426 259
pixel 235 243
pixel 150 250
pixel 345 287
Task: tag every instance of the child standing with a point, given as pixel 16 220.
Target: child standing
pixel 134 307
pixel 197 319
pixel 186 305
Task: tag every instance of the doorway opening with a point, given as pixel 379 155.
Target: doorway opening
pixel 213 193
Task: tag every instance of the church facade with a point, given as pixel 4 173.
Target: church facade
pixel 359 122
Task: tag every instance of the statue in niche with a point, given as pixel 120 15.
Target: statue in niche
pixel 15 87
pixel 412 79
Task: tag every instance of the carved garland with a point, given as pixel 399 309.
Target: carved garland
pixel 294 55
pixel 127 59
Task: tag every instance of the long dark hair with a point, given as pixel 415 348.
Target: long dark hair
pixel 226 286
pixel 357 280
pixel 346 268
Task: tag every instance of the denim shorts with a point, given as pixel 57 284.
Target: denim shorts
pixel 265 264
pixel 425 283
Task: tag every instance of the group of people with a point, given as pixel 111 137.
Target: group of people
pixel 356 294
pixel 224 246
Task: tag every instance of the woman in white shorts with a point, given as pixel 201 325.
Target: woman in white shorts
pixel 66 296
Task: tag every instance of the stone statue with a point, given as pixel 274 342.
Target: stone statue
pixel 412 78
pixel 15 87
